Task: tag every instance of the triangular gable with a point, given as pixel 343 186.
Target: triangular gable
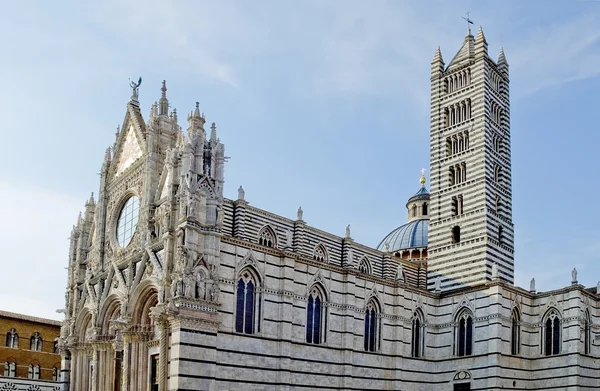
pixel 130 144
pixel 130 151
pixel 464 55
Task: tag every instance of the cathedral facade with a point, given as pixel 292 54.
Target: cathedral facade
pixel 173 287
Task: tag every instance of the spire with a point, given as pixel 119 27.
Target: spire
pixel 197 110
pixel 174 115
pixel 91 201
pixel 423 179
pixel 163 108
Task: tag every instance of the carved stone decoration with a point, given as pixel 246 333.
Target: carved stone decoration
pixel 214 292
pixel 289 239
pixel 189 284
pixel 400 273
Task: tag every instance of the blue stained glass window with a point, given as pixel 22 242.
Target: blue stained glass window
pixel 309 320
pixel 239 318
pixel 465 336
pixel 316 320
pixel 245 310
pixel 556 336
pixel 249 311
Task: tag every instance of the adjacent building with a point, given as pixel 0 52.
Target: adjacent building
pixel 171 286
pixel 29 351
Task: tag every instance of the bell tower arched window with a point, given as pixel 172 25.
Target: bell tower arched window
pixel 247 309
pixel 552 329
pixel 316 316
pixel 464 334
pixel 372 327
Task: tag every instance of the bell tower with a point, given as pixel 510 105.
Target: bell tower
pixel 471 225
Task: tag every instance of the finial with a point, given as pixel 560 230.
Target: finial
pixel 423 179
pixel 91 201
pixel 197 110
pixel 469 22
pixel 213 132
pixel 135 87
pixel 163 108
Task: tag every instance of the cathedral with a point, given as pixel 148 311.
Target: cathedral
pixel 171 286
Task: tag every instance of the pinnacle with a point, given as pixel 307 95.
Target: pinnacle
pixel 501 57
pixel 197 110
pixel 480 36
pixel 438 55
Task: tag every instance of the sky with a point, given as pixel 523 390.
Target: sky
pixel 320 104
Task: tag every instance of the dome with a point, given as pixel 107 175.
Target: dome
pixel 410 235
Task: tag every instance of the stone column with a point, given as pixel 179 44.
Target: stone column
pixel 163 359
pixel 65 371
pixel 125 362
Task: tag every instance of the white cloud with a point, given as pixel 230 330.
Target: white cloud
pixel 36 224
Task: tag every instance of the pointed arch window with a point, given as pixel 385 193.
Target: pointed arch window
pixel 6 369
pixel 424 209
pixel 316 317
pixel 320 254
pixel 417 342
pixel 414 210
pixel 587 332
pixel 372 327
pixel 365 266
pixel 464 331
pixel 266 237
pixel 12 339
pixel 247 310
pixel 36 342
pixel 552 329
pixel 515 341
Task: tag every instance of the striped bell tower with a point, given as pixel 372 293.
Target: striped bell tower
pixel 471 225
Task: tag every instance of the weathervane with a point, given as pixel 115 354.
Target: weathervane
pixel 135 86
pixel 469 21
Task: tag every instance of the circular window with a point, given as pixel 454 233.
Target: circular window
pixel 127 222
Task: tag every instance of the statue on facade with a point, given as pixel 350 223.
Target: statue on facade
pixel 400 274
pixel 574 276
pixel 193 209
pixel 598 288
pixel 200 289
pixel 189 285
pixel 300 213
pixel 241 193
pixel 495 271
pixel 532 285
pixel 220 217
pixel 214 292
pixel 348 231
pixel 438 284
pixel 135 88
pixel 289 237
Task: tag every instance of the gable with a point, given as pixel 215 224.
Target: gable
pixel 130 151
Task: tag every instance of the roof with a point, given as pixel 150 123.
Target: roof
pixel 28 318
pixel 410 235
pixel 422 194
